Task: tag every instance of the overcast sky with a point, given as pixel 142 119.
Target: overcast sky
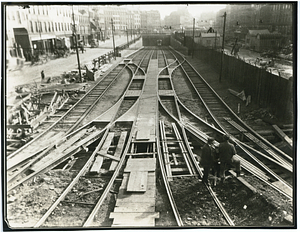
pixel 194 9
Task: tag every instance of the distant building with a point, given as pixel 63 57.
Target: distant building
pixel 211 40
pixel 150 21
pixel 275 17
pixel 261 40
pixel 37 29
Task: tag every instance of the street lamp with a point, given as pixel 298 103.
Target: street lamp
pixel 222 52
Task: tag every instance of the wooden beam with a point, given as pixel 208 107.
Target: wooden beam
pixel 99 159
pixel 109 156
pixel 137 181
pixel 17 126
pixel 283 136
pixel 119 149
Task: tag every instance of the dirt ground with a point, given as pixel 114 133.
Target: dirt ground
pixel 266 208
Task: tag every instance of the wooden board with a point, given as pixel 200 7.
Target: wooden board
pixel 97 164
pixel 140 164
pixel 283 136
pixel 119 149
pixel 135 207
pixel 137 181
pixel 143 133
pixel 103 151
pixel 56 156
pixel 107 143
pixel 134 219
pixel 283 188
pixel 132 200
pixel 150 192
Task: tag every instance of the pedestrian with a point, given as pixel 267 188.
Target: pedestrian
pixel 42 75
pixel 207 159
pixel 228 157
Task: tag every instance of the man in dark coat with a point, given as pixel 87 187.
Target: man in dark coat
pixel 227 154
pixel 42 75
pixel 207 159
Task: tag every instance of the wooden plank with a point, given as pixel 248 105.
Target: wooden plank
pixel 17 126
pixel 140 164
pixel 107 143
pixel 57 151
pixel 143 133
pixel 97 164
pixel 119 149
pixel 244 182
pixel 176 170
pixel 283 136
pixel 283 188
pixel 133 219
pixel 150 192
pixel 55 156
pixel 137 181
pixel 99 159
pixel 109 156
pixel 131 200
pixel 175 159
pixel 135 207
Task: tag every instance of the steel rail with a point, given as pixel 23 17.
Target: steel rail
pixel 229 109
pixel 48 129
pixel 247 152
pixel 166 182
pixel 240 145
pixel 89 109
pixel 86 166
pixel 218 203
pixel 116 172
pixel 74 181
pixel 108 187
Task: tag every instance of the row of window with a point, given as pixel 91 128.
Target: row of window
pixel 49 27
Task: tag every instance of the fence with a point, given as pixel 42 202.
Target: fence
pixel 266 89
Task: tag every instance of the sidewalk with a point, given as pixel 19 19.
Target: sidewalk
pixel 56 67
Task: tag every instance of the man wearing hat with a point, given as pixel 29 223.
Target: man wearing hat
pixel 227 154
pixel 207 158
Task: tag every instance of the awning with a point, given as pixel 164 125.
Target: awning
pixel 20 31
pixel 42 37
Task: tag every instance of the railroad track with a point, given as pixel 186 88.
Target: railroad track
pixel 147 139
pixel 209 104
pixel 17 166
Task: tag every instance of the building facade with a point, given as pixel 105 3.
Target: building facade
pixel 240 18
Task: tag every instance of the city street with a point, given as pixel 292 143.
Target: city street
pixel 29 74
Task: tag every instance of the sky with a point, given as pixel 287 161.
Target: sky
pixel 194 9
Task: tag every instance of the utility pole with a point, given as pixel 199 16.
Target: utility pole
pixel 131 29
pixel 222 52
pixel 76 45
pixel 193 37
pixel 127 35
pixel 112 32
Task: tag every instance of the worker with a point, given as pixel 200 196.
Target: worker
pixel 207 159
pixel 42 75
pixel 228 157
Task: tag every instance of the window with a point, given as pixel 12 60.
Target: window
pixel 41 27
pixel 31 26
pixel 55 26
pixel 36 27
pixel 49 26
pixel 52 26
